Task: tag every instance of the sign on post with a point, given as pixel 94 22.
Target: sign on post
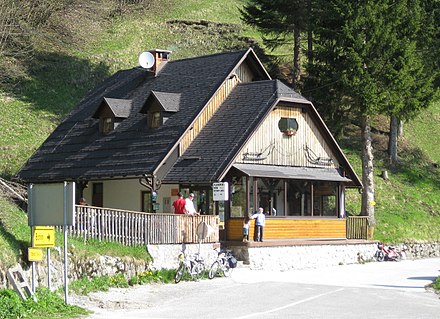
pixel 43 236
pixel 47 204
pixel 35 254
pixel 220 191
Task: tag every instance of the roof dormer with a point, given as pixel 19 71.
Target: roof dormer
pixel 111 112
pixel 159 106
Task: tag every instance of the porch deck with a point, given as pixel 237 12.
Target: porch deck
pixel 295 242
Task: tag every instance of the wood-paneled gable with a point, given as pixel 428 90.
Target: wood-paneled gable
pixel 270 146
pixel 208 112
pixel 244 73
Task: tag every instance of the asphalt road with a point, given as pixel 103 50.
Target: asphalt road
pixel 372 290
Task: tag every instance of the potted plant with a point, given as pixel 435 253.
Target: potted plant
pixel 290 131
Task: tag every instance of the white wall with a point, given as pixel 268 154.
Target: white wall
pixel 126 194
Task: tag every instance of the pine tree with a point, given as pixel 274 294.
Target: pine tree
pixel 280 21
pixel 366 60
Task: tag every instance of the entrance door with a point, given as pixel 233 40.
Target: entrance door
pixel 98 195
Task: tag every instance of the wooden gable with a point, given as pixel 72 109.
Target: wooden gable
pixel 271 145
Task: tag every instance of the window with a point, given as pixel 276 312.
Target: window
pixel 146 203
pixel 106 125
pixel 288 126
pixel 155 120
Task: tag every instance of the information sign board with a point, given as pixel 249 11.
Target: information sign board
pixel 220 191
pixel 43 236
pixel 35 254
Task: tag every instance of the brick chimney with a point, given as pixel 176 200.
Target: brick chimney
pixel 161 57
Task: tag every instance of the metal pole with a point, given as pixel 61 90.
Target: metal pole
pixel 49 279
pixel 31 222
pixel 66 294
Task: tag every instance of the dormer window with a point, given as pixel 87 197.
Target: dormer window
pixel 155 119
pixel 111 112
pixel 106 124
pixel 159 107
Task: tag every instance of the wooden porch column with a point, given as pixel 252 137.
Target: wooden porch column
pixel 341 207
pixel 255 199
pixel 312 195
pixel 248 195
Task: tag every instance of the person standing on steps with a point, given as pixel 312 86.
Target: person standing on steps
pixel 260 222
pixel 246 224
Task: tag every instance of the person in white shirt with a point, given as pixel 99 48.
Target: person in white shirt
pixel 260 221
pixel 189 205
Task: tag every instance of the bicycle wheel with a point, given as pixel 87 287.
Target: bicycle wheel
pixel 198 269
pixel 213 271
pixel 227 270
pixel 380 256
pixel 179 273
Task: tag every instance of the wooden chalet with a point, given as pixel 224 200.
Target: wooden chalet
pixel 146 133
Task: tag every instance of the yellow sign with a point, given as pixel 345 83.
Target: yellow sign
pixel 35 254
pixel 44 236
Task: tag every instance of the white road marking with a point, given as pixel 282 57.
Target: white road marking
pixel 290 305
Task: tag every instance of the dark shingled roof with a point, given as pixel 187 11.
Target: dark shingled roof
pixel 169 101
pixel 76 149
pixel 120 108
pixel 220 140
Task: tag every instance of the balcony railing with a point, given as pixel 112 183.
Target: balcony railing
pixel 357 227
pixel 138 228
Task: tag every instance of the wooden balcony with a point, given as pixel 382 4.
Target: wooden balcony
pixel 280 228
pixel 138 228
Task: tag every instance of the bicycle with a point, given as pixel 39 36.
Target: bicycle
pixel 192 264
pixel 224 264
pixel 388 253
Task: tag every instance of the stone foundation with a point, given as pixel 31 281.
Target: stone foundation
pixel 282 258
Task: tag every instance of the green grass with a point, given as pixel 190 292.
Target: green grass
pixel 84 286
pixel 48 305
pixel 424 131
pixel 436 285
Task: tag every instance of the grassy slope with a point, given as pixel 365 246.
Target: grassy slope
pixel 407 204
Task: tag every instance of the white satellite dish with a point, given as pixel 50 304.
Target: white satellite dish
pixel 146 60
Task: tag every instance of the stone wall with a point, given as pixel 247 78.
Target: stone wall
pixel 79 266
pixel 283 258
pixel 270 258
pixel 422 249
pixel 166 256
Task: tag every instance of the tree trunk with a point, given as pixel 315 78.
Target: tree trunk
pixel 296 56
pixel 400 128
pixel 309 33
pixel 392 141
pixel 367 172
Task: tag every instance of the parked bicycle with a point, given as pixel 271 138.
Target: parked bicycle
pixel 192 264
pixel 388 253
pixel 223 265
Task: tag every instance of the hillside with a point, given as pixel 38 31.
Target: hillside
pixel 81 45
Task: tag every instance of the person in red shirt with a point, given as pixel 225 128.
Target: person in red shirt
pixel 179 204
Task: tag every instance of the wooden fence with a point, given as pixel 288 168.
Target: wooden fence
pixel 137 228
pixel 357 227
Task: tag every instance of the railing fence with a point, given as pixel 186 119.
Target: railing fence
pixel 357 227
pixel 138 228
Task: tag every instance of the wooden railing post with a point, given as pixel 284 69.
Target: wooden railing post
pixel 357 227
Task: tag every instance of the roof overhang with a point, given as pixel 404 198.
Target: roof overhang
pixel 289 172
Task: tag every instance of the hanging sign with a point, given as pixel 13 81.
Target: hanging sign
pixel 220 191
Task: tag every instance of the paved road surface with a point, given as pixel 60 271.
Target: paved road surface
pixel 373 290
